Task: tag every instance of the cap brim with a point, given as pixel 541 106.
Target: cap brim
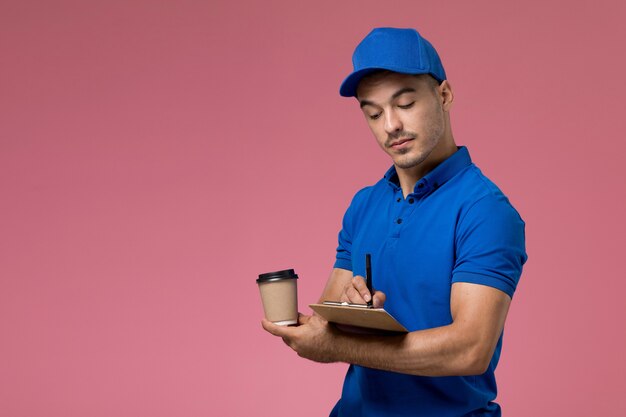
pixel 351 83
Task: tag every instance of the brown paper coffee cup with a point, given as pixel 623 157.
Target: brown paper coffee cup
pixel 279 294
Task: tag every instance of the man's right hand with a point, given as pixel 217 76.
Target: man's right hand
pixel 355 292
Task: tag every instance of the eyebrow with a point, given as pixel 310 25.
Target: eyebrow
pixel 394 96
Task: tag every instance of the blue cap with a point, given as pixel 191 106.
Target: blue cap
pixel 398 50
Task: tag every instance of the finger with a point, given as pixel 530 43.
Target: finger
pixel 354 296
pixel 287 341
pixel 303 319
pixel 379 299
pixel 274 329
pixel 318 320
pixel 361 287
pixel 350 295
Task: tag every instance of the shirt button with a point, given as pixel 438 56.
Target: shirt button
pixel 398 200
pixel 399 221
pixel 411 201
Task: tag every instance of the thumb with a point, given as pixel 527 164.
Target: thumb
pixel 379 299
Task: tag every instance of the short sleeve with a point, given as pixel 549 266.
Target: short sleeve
pixel 343 258
pixel 490 245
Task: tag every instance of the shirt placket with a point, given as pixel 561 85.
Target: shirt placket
pixel 404 207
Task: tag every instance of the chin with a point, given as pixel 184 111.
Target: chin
pixel 409 161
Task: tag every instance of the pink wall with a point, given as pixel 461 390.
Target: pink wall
pixel 156 156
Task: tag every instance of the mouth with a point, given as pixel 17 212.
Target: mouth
pixel 400 143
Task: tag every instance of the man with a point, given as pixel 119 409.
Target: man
pixel 447 250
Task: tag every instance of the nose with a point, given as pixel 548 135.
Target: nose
pixel 393 124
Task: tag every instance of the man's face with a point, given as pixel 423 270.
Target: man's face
pixel 405 113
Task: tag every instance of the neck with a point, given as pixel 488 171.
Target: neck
pixel 408 177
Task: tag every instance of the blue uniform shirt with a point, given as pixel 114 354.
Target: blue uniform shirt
pixel 456 226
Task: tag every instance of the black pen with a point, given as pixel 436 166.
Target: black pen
pixel 368 278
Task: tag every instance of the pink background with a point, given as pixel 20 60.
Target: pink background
pixel 156 156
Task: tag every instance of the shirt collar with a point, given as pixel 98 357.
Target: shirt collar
pixel 451 166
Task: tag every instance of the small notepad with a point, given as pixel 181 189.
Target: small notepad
pixel 358 315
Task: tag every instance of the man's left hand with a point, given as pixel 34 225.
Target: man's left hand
pixel 311 339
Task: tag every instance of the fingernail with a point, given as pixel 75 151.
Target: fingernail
pixel 367 297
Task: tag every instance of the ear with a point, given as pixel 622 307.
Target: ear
pixel 446 94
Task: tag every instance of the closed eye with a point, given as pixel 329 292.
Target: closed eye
pixel 374 116
pixel 407 106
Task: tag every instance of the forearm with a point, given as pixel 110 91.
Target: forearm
pixel 441 351
pixel 464 347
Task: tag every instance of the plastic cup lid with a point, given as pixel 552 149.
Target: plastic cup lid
pixel 277 275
